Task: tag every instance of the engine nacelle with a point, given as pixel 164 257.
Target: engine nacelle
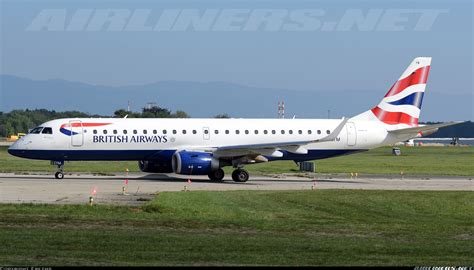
pixel 194 163
pixel 152 166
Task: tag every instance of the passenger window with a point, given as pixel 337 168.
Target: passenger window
pixel 194 131
pixel 206 131
pixel 226 131
pixel 47 130
pixel 124 131
pixel 216 131
pixel 154 131
pixel 115 131
pixel 290 131
pixel 144 131
pixel 256 131
pixel 174 131
pixel 265 131
pixel 134 131
pixel 309 132
pixel 237 131
pixel 104 131
pixel 246 131
pixel 273 132
pixel 95 131
pixel 319 131
pixel 184 131
pixel 328 132
pixel 282 131
pixel 300 131
pixel 164 131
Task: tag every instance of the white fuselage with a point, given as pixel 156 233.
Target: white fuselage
pixel 138 139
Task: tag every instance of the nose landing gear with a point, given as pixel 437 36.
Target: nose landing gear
pixel 59 174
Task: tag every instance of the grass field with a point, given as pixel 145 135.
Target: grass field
pixel 414 160
pixel 324 227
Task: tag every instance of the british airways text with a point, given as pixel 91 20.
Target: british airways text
pixel 129 139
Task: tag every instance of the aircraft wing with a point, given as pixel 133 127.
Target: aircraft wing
pixel 272 149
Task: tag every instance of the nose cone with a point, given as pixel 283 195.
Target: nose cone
pixel 13 148
pixel 16 148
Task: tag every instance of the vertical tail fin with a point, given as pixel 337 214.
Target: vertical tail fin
pixel 402 103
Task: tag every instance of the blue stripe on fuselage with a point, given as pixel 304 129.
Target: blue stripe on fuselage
pixel 165 155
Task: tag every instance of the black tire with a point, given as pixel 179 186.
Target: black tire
pixel 240 175
pixel 216 175
pixel 59 175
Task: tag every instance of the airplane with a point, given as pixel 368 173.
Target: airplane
pixel 204 146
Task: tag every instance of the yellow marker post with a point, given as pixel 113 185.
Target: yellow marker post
pixel 124 187
pixel 91 200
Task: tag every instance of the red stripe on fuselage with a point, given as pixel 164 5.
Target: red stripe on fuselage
pixel 393 118
pixel 84 124
pixel 417 77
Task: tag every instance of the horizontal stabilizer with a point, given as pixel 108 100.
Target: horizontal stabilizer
pixel 416 130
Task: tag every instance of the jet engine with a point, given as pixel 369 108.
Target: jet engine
pixel 153 166
pixel 194 163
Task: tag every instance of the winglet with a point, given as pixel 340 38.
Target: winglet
pixel 335 132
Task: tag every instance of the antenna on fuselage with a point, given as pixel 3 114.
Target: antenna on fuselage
pixel 125 116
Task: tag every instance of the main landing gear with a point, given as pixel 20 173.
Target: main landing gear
pixel 217 175
pixel 59 174
pixel 238 175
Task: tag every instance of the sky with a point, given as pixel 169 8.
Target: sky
pixel 339 45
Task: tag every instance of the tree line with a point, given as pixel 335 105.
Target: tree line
pixel 20 121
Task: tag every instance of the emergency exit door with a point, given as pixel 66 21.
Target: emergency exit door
pixel 206 133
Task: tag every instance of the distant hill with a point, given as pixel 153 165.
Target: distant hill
pixel 197 99
pixel 207 99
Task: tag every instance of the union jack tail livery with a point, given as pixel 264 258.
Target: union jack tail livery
pixel 402 103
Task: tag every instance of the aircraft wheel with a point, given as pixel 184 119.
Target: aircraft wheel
pixel 240 175
pixel 216 175
pixel 59 175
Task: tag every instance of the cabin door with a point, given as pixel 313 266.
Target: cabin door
pixel 77 135
pixel 351 134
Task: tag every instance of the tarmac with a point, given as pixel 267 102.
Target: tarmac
pixel 141 187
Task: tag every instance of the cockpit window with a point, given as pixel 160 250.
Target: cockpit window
pixel 36 130
pixel 47 130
